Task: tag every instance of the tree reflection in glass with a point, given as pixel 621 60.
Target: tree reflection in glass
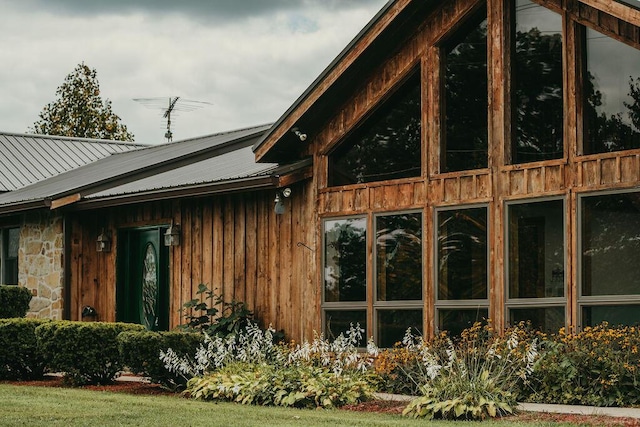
pixel 345 275
pixel 466 97
pixel 537 84
pixel 386 146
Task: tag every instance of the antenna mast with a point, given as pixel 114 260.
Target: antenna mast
pixel 176 103
pixel 167 115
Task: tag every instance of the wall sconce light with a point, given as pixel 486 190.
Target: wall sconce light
pixel 103 242
pixel 172 235
pixel 88 311
pixel 279 202
pixel 301 136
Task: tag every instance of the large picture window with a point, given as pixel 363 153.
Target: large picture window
pixel 396 296
pixel 536 264
pixel 462 263
pixel 466 97
pixel 537 83
pixel 609 248
pixel 386 146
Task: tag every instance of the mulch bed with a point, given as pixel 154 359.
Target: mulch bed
pixel 381 406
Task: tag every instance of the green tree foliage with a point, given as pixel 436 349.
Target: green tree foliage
pixel 79 110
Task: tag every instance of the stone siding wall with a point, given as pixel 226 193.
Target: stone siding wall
pixel 41 263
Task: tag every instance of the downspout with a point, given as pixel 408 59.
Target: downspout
pixel 66 272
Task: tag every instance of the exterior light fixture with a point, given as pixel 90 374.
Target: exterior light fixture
pixel 172 235
pixel 301 136
pixel 279 202
pixel 103 242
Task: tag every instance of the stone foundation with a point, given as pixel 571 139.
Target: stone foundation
pixel 41 263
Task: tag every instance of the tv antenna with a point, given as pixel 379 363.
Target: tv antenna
pixel 175 104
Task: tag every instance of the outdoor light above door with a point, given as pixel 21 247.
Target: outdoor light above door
pixel 172 235
pixel 103 242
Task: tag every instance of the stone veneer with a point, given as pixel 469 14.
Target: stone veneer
pixel 41 263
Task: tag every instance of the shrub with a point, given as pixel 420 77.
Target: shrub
pixel 14 301
pixel 86 352
pixel 140 352
pixel 19 355
pixel 475 378
pixel 599 366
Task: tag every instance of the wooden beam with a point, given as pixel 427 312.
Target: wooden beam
pixel 293 177
pixel 64 201
pixel 617 9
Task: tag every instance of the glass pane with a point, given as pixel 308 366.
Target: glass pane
pixel 611 244
pixel 462 254
pixel 545 319
pixel 345 260
pixel 457 320
pixel 537 84
pixel 387 146
pixel 150 289
pixel 339 321
pixel 466 98
pixel 612 95
pixel 393 324
pixel 536 250
pixel 627 315
pixel 399 257
pixel 14 243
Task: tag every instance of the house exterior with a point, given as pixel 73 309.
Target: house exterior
pixel 460 160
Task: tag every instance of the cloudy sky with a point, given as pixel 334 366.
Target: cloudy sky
pixel 250 59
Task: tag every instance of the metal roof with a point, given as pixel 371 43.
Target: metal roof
pixel 121 168
pixel 26 159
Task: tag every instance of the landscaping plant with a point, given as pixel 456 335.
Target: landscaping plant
pixel 20 358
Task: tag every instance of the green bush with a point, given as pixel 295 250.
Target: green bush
pixel 599 366
pixel 140 352
pixel 14 301
pixel 19 355
pixel 297 386
pixel 86 352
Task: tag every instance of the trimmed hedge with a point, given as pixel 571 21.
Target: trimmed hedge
pixel 14 301
pixel 19 355
pixel 86 352
pixel 140 352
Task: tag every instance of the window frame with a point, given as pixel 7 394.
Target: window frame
pixel 595 300
pixel 4 243
pixel 545 302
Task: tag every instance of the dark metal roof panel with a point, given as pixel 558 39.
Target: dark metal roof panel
pixel 126 164
pixel 234 165
pixel 26 159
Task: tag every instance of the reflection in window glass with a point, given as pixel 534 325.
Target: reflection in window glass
pixel 339 321
pixel 545 319
pixel 536 250
pixel 457 320
pixel 387 146
pixel 462 254
pixel 466 98
pixel 611 244
pixel 399 257
pixel 537 86
pixel 9 261
pixel 612 95
pixel 393 324
pixel 345 260
pixel 614 315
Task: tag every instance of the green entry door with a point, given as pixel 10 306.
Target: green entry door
pixel 142 293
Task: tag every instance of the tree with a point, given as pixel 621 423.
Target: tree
pixel 79 110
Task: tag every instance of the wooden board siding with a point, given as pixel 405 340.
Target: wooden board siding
pixel 234 243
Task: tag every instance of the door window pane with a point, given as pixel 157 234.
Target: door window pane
pixel 399 257
pixel 466 97
pixel 536 250
pixel 615 315
pixel 537 84
pixel 338 322
pixel 345 260
pixel 393 324
pixel 457 320
pixel 462 254
pixel 611 244
pixel 387 146
pixel 612 95
pixel 545 319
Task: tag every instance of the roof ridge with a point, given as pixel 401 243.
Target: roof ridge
pixel 73 138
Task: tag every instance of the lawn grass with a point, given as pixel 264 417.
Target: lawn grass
pixel 47 406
